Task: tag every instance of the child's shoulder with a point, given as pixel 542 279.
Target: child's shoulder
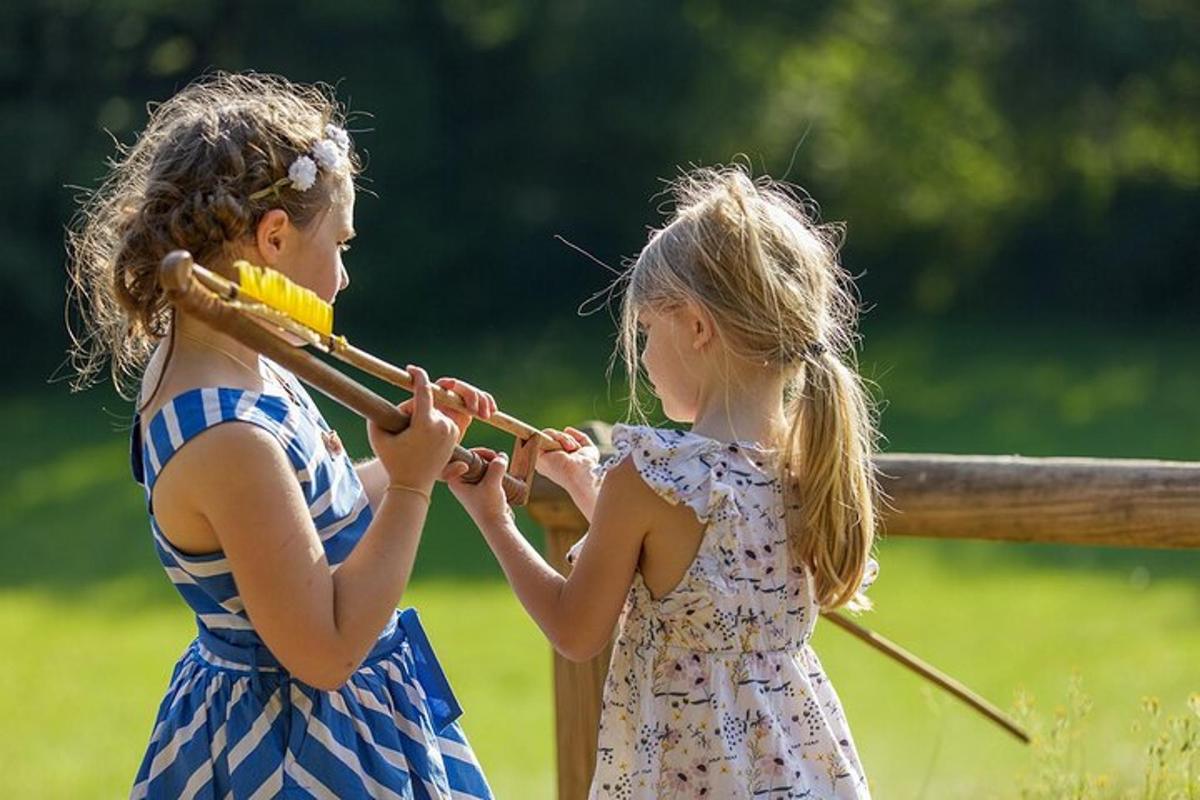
pixel 684 467
pixel 672 439
pixel 672 446
pixel 659 451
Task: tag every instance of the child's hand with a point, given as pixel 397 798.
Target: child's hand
pixel 571 467
pixel 484 501
pixel 415 456
pixel 479 404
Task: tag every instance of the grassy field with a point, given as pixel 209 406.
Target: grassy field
pixel 90 627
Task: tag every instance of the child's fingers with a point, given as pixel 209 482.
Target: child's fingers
pixel 566 442
pixel 486 453
pixel 460 389
pixel 454 471
pixel 477 401
pixel 580 437
pixel 422 395
pixel 495 471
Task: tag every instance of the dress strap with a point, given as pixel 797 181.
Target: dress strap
pixel 192 412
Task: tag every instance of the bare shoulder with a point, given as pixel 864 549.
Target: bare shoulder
pixel 624 484
pixel 625 489
pixel 234 453
pixel 668 534
pixel 628 480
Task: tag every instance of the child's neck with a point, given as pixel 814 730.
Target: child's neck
pixel 208 350
pixel 749 409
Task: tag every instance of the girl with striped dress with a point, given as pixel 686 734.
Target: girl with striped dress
pixel 303 680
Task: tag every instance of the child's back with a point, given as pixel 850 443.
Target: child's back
pixel 713 689
pixel 742 320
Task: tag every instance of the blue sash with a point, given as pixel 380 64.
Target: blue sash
pixel 443 706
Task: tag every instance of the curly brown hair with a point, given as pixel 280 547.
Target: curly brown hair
pixel 193 179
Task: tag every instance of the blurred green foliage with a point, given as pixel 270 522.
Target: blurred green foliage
pixel 1007 157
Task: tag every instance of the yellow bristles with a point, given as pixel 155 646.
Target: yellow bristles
pixel 273 289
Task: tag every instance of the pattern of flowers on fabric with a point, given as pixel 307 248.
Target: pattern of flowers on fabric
pixel 714 690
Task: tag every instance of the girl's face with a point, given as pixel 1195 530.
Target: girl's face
pixel 317 260
pixel 674 356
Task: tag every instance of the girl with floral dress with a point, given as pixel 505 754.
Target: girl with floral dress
pixel 713 550
pixel 303 680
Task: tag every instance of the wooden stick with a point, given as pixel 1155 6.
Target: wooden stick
pixel 188 295
pixel 341 349
pixel 928 672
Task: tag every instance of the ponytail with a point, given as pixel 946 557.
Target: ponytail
pixel 829 476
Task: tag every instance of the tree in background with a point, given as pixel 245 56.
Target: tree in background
pixel 1004 156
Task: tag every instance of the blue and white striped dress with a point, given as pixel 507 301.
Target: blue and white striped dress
pixel 234 724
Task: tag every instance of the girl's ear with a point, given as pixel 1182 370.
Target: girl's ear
pixel 271 234
pixel 700 325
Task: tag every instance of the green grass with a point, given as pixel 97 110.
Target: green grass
pixel 90 627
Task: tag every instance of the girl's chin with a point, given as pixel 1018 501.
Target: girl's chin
pixel 328 294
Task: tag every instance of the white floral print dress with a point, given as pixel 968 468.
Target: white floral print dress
pixel 713 690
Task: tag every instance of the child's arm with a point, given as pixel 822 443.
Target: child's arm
pixel 577 613
pixel 573 467
pixel 374 479
pixel 320 624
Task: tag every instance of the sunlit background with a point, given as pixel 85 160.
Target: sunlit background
pixel 1020 183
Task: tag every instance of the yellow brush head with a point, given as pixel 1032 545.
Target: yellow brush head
pixel 274 290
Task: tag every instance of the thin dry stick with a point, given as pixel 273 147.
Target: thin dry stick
pixel 928 672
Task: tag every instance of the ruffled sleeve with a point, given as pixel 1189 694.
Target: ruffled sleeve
pixel 682 468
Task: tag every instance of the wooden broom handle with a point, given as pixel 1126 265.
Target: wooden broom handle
pixel 398 377
pixel 224 282
pixel 175 275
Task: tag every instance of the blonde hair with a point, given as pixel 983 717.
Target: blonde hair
pixel 194 179
pixel 755 257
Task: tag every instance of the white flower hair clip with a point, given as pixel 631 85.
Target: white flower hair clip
pixel 331 154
